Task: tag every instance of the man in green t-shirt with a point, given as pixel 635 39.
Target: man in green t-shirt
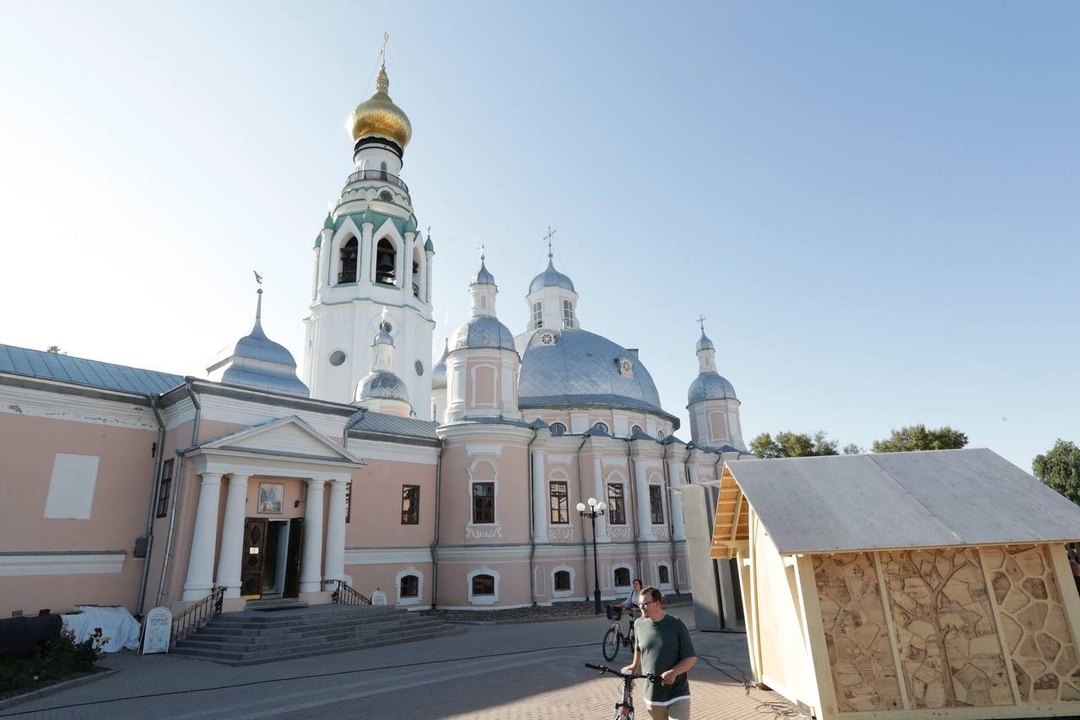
pixel 663 648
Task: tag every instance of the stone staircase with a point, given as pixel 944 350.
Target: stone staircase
pixel 269 635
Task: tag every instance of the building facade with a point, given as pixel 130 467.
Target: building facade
pixel 449 482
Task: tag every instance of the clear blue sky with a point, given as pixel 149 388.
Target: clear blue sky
pixel 874 206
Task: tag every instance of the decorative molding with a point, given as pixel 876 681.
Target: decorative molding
pixel 619 532
pixel 559 459
pixel 70 407
pixel 490 554
pixel 471 450
pixel 62 563
pixel 556 534
pixel 387 556
pixel 483 532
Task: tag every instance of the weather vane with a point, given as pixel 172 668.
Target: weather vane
pixel 382 48
pixel 258 277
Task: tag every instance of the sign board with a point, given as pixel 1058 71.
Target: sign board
pixel 378 597
pixel 157 627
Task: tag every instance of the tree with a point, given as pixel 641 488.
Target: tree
pixel 789 444
pixel 918 437
pixel 1059 469
pixel 55 350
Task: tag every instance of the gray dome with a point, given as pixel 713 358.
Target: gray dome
pixel 260 363
pixel 381 385
pixel 383 337
pixel 704 343
pixel 438 373
pixel 483 331
pixel 581 368
pixel 550 278
pixel 710 386
pixel 483 277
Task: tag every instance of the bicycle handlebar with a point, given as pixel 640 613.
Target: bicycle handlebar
pixel 625 676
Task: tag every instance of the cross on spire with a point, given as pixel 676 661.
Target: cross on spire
pixel 701 322
pixel 547 237
pixel 481 252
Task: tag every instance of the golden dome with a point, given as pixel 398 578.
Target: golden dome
pixel 380 116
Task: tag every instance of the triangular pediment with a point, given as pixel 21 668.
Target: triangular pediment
pixel 285 437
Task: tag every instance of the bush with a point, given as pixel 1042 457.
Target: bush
pixel 53 660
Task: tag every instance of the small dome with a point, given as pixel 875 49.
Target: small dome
pixel 483 276
pixel 258 362
pixel 379 116
pixel 710 386
pixel 550 278
pixel 438 373
pixel 382 385
pixel 484 331
pixel 704 343
pixel 383 337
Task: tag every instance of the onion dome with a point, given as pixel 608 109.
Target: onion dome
pixel 438 373
pixel 482 331
pixel 550 278
pixel 483 276
pixel 258 362
pixel 380 117
pixel 704 343
pixel 710 386
pixel 381 385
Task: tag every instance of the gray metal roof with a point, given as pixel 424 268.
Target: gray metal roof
pixel 90 373
pixel 482 331
pixel 710 386
pixel 258 362
pixel 384 424
pixel 897 500
pixel 381 384
pixel 550 278
pixel 583 367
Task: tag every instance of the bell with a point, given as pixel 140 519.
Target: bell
pixel 384 265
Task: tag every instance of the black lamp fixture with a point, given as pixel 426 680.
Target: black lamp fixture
pixel 596 509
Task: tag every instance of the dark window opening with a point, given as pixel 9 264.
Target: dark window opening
pixel 562 580
pixel 385 263
pixel 350 251
pixel 483 509
pixel 656 505
pixel 410 586
pixel 662 573
pixel 483 585
pixel 559 503
pixel 557 429
pixel 622 577
pixel 410 504
pixel 616 504
pixel 164 486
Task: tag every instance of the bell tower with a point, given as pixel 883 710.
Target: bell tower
pixel 372 266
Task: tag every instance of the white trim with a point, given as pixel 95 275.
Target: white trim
pixel 471 450
pixel 419 586
pixel 386 556
pixel 63 406
pixel 62 563
pixel 629 570
pixel 556 594
pixel 482 599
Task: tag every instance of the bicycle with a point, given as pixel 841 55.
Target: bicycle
pixel 624 709
pixel 614 638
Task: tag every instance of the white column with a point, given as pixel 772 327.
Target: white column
pixel 335 531
pixel 641 501
pixel 232 536
pixel 200 574
pixel 676 473
pixel 602 534
pixel 540 498
pixel 311 562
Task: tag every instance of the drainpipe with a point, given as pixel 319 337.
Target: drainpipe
pixel 178 479
pixel 532 524
pixel 435 534
pixel 355 419
pixel 152 510
pixel 581 518
pixel 633 515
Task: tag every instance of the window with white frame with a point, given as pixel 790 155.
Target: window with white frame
pixel 622 577
pixel 410 586
pixel 567 314
pixel 616 504
pixel 562 582
pixel 483 586
pixel 558 502
pixel 656 505
pixel 538 315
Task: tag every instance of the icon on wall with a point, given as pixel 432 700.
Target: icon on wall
pixel 271 498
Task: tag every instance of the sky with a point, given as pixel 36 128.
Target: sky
pixel 874 206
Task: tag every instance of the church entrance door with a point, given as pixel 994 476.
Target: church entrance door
pixel 272 552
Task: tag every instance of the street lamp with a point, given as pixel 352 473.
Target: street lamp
pixel 596 509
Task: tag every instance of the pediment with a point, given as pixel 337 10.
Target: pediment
pixel 289 437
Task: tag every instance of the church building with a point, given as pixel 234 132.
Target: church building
pixel 446 482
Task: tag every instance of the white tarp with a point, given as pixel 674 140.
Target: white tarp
pixel 116 623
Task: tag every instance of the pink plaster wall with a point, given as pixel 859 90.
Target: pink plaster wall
pixel 376 505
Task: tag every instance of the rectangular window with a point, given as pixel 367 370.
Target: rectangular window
pixel 656 505
pixel 348 500
pixel 164 486
pixel 538 315
pixel 616 504
pixel 567 314
pixel 483 503
pixel 410 504
pixel 559 502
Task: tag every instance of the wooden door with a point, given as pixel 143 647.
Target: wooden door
pixel 254 558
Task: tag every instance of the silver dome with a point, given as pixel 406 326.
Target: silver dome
pixel 483 277
pixel 438 373
pixel 710 386
pixel 260 363
pixel 550 278
pixel 483 331
pixel 381 385
pixel 704 343
pixel 581 368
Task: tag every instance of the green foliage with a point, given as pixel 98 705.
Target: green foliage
pixel 1059 469
pixel 853 449
pixel 54 660
pixel 789 444
pixel 55 350
pixel 918 437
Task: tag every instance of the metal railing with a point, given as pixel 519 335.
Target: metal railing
pixel 195 616
pixel 344 594
pixel 377 175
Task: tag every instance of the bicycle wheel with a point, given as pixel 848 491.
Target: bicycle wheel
pixel 611 643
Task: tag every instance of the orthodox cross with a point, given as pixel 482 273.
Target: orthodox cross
pixel 547 237
pixel 701 322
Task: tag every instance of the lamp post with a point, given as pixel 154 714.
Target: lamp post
pixel 596 509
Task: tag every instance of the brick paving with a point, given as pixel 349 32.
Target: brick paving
pixel 525 671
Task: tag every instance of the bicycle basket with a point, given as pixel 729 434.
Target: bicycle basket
pixel 614 612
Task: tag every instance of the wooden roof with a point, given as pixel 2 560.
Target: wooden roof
pixel 888 501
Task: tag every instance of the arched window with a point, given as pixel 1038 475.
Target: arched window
pixel 483 585
pixel 562 580
pixel 567 314
pixel 601 427
pixel 382 171
pixel 538 315
pixel 349 252
pixel 662 575
pixel 622 577
pixel 557 428
pixel 636 430
pixel 385 263
pixel 410 586
pixel 416 273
